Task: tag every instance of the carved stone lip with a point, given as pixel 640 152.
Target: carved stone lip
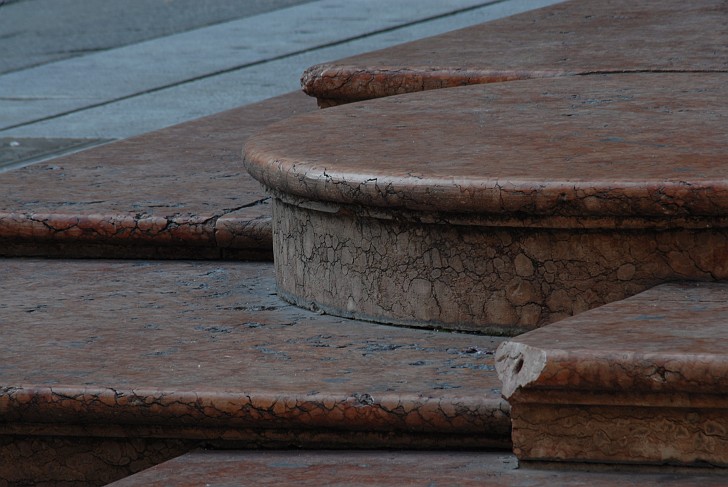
pixel 572 38
pixel 617 146
pixel 667 340
pixel 472 219
pixel 638 381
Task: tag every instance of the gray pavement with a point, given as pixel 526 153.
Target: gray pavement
pixel 35 32
pixel 87 71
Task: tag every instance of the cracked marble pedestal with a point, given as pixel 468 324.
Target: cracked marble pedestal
pixel 580 37
pixel 499 207
pixel 111 366
pixel 641 381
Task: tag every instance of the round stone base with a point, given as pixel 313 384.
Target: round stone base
pixel 396 268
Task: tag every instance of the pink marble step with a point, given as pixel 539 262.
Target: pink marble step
pixel 578 37
pixel 179 192
pixel 500 207
pixel 643 380
pixel 112 366
pixel 345 468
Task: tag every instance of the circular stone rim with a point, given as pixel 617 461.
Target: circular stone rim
pixel 267 156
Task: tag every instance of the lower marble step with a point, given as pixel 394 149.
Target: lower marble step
pixel 642 380
pixel 110 367
pixel 405 468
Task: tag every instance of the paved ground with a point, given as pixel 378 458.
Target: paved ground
pixel 36 32
pixel 80 72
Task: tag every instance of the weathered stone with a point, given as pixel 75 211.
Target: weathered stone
pixel 639 381
pixel 521 203
pixel 161 357
pixel 178 192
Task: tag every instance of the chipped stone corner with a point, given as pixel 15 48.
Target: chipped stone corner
pixel 518 365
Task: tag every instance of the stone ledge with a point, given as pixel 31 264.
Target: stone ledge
pixel 648 146
pixel 573 38
pixel 638 381
pixel 175 193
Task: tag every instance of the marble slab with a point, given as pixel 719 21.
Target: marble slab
pixel 638 381
pixel 465 468
pixel 580 37
pixel 500 207
pixel 160 356
pixel 179 192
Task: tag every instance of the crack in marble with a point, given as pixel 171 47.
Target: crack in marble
pixel 516 278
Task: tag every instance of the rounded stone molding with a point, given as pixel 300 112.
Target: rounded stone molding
pixel 501 207
pixel 564 39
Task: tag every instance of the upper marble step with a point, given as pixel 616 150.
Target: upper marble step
pixel 646 146
pixel 572 38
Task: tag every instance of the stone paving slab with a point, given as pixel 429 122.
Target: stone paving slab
pixel 20 151
pixel 31 29
pixel 500 207
pixel 638 381
pixel 345 468
pixel 179 192
pixel 174 354
pixel 579 37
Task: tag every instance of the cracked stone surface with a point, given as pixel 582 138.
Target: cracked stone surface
pixel 580 37
pixel 179 192
pixel 638 381
pixel 497 469
pixel 206 352
pixel 457 208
